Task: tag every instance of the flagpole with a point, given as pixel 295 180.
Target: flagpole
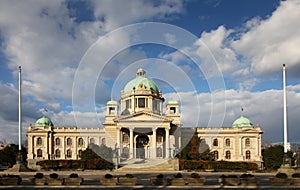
pixel 285 138
pixel 20 110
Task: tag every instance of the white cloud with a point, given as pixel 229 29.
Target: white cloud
pixel 274 41
pixel 263 108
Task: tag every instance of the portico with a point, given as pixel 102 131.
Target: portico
pixel 142 130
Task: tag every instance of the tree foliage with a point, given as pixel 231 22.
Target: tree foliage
pixel 97 152
pixel 9 154
pixel 273 157
pixel 196 149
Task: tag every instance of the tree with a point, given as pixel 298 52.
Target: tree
pixel 196 149
pixel 8 155
pixel 97 152
pixel 273 157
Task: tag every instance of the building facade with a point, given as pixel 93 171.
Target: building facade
pixel 136 127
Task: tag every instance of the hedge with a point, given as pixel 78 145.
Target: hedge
pixel 75 164
pixel 217 165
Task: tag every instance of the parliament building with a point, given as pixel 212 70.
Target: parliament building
pixel 137 128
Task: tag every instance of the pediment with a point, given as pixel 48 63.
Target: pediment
pixel 143 116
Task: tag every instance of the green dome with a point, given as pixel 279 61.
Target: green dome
pixel 141 79
pixel 112 102
pixel 172 102
pixel 242 122
pixel 43 121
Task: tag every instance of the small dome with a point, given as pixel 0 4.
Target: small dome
pixel 43 121
pixel 141 79
pixel 242 122
pixel 112 102
pixel 172 102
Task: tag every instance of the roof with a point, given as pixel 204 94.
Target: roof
pixel 43 121
pixel 172 102
pixel 242 122
pixel 141 79
pixel 112 102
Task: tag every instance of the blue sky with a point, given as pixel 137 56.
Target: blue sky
pixel 62 46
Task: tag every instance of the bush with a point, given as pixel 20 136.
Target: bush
pixel 160 176
pixel 39 175
pixel 228 176
pixel 73 175
pixel 129 176
pixel 108 176
pixel 178 175
pixel 296 175
pixel 54 175
pixel 246 175
pixel 195 175
pixel 281 175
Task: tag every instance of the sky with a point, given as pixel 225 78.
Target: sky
pixel 216 57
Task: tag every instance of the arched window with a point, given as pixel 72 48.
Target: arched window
pixel 125 138
pixel 248 155
pixel 80 142
pixel 57 153
pixel 247 142
pixel 79 153
pixel 216 155
pixel 69 153
pixel 69 141
pixel 228 155
pixel 39 141
pixel 92 141
pixel 39 153
pixel 103 141
pixel 227 142
pixel 57 141
pixel 215 142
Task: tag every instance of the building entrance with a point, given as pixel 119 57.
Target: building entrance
pixel 142 142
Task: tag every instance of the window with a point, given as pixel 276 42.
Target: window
pixel 103 141
pixel 79 153
pixel 80 142
pixel 248 155
pixel 92 141
pixel 155 105
pixel 69 141
pixel 57 153
pixel 172 110
pixel 39 141
pixel 141 102
pixel 39 153
pixel 69 153
pixel 125 138
pixel 57 141
pixel 228 155
pixel 215 142
pixel 128 104
pixel 111 110
pixel 247 142
pixel 216 155
pixel 227 142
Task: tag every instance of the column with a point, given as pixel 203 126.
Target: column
pixel 75 148
pixel 167 143
pixel 154 143
pixel 131 143
pixel 118 141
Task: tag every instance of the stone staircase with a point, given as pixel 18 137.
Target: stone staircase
pixel 147 165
